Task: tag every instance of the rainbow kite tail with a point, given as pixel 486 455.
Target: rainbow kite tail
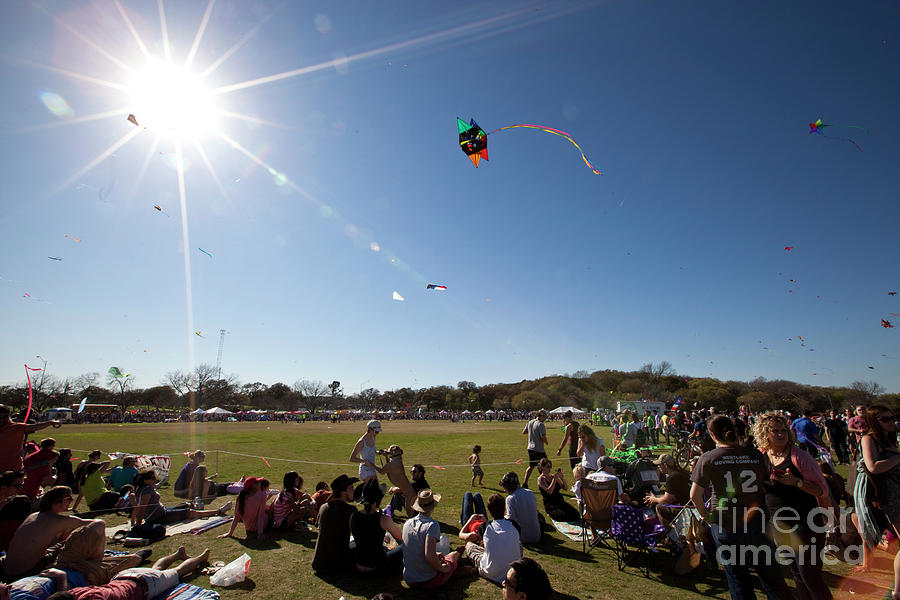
pixel 554 132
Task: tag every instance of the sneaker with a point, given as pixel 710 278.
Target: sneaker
pixel 144 553
pixel 223 510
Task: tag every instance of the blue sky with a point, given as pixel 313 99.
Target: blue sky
pixel 695 112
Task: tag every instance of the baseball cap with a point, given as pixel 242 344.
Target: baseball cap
pixel 374 424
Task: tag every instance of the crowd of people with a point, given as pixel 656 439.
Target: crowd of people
pixel 753 479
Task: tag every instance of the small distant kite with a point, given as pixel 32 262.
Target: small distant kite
pixel 398 297
pixel 818 126
pixel 74 239
pixel 873 368
pixel 55 257
pixel 892 293
pixel 434 286
pixel 204 252
pixel 160 209
pixel 788 248
pixel 82 405
pixel 886 324
pixel 132 119
pixel 473 140
pixel 198 334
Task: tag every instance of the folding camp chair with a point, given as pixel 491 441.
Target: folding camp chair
pixel 597 498
pixel 632 538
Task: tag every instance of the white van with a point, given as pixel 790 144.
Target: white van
pixel 66 415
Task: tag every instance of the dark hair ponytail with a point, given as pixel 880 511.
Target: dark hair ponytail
pixel 722 429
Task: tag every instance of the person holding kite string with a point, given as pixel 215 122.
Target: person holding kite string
pixel 12 439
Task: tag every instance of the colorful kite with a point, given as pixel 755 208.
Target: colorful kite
pixel 28 377
pixel 159 208
pixel 198 334
pixel 204 252
pixel 892 293
pixel 74 239
pixel 788 248
pixel 818 126
pixel 133 119
pixel 886 324
pixel 115 372
pixel 434 286
pixel 473 140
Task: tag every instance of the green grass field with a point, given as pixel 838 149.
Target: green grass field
pixel 281 564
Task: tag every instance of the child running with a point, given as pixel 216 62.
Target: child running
pixel 475 461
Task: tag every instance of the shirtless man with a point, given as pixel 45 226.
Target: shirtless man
pixel 40 531
pixel 396 472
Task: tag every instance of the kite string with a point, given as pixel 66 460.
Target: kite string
pixel 290 460
pixel 554 132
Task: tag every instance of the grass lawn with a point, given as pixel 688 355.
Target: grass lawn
pixel 281 565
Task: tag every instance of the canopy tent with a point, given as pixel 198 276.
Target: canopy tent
pixel 560 410
pixel 489 411
pixel 218 411
pixel 199 411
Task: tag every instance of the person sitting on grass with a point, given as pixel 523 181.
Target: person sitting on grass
pixel 204 487
pixel 65 474
pixel 251 510
pixel 550 484
pixel 678 490
pixel 368 527
pixel 423 565
pixel 526 580
pixel 332 554
pixel 321 495
pixel 123 474
pixel 26 553
pixel 183 481
pixel 292 505
pixel 521 507
pixel 133 584
pixel 148 508
pixel 500 543
pixel 93 489
pixel 79 475
pixel 39 468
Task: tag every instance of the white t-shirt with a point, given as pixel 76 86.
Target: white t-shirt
pixel 521 507
pixel 590 457
pixel 502 546
pixel 601 476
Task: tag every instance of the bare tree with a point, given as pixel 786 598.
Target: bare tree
pixel 660 369
pixel 178 381
pixel 86 380
pixel 311 392
pixel 867 388
pixel 123 381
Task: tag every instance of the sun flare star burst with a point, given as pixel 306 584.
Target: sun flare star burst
pixel 168 99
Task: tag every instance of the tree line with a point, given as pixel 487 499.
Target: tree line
pixel 205 387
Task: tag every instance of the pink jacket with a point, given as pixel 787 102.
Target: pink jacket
pixel 808 466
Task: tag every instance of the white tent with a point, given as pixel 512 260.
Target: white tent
pixel 467 412
pixel 560 410
pixel 218 411
pixel 489 411
pixel 199 411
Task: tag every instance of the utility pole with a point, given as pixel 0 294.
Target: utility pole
pixel 222 333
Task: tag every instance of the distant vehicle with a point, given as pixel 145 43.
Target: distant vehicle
pixel 642 407
pixel 96 408
pixel 60 414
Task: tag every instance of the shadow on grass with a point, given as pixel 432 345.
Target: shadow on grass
pixel 300 538
pixel 266 543
pixel 552 545
pixel 707 575
pixel 368 585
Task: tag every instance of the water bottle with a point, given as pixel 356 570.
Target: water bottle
pixel 198 503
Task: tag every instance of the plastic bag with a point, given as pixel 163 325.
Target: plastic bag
pixel 443 546
pixel 234 572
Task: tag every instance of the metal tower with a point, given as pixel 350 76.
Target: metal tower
pixel 222 333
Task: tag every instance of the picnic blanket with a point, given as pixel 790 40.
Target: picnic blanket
pixel 573 531
pixel 193 526
pixel 186 591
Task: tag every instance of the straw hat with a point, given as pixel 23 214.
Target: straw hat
pixel 426 501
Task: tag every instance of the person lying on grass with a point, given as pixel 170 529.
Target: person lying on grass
pixel 133 584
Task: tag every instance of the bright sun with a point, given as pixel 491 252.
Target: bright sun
pixel 168 99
